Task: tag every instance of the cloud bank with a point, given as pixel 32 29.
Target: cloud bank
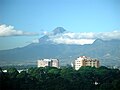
pixel 35 41
pixel 83 38
pixel 62 38
pixel 6 31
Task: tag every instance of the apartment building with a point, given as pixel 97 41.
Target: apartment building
pixel 48 62
pixel 85 61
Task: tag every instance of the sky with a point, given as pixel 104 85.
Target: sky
pixel 24 21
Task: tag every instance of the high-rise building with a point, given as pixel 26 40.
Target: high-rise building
pixel 48 62
pixel 85 61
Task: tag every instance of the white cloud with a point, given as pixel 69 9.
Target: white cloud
pixel 35 41
pixel 73 41
pixel 83 38
pixel 84 35
pixel 44 33
pixel 62 38
pixel 108 35
pixel 10 31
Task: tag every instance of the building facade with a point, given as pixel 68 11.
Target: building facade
pixel 85 61
pixel 48 62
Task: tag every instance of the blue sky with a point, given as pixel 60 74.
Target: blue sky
pixel 45 15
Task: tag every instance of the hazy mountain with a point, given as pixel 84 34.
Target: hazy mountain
pixel 108 52
pixel 58 30
pixel 45 38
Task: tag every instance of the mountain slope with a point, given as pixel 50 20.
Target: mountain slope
pixel 108 52
pixel 46 40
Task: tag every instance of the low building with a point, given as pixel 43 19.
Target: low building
pixel 85 61
pixel 48 62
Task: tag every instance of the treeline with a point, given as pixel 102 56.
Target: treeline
pixel 66 78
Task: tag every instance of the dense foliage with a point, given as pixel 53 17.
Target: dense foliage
pixel 66 78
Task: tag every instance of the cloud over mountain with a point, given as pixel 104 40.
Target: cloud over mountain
pixel 108 35
pixel 82 38
pixel 35 41
pixel 10 31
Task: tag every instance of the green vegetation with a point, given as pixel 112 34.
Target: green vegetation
pixel 66 78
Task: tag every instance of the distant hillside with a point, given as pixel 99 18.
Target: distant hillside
pixel 108 52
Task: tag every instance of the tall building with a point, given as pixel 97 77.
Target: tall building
pixel 85 61
pixel 48 62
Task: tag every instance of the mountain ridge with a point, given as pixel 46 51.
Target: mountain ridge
pixel 106 51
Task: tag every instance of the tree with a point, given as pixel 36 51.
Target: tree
pixel 26 82
pixel 67 73
pixel 12 72
pixel 116 84
pixel 106 86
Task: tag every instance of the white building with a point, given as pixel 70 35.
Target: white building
pixel 85 61
pixel 48 62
